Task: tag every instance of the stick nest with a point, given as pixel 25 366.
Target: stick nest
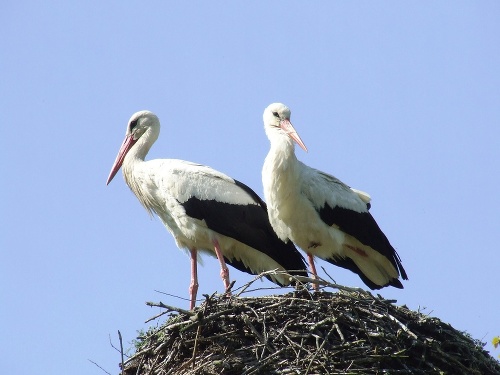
pixel 346 332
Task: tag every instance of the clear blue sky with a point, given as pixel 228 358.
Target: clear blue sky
pixel 400 99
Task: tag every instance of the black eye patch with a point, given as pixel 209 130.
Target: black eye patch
pixel 133 124
pixel 276 114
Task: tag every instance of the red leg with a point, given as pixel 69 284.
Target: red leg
pixel 312 267
pixel 193 287
pixel 224 272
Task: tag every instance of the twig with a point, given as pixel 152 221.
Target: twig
pixel 171 308
pixel 198 331
pixel 91 361
pixel 138 354
pixel 319 349
pixel 121 352
pixel 200 319
pixel 157 316
pixel 258 277
pixel 256 333
pixel 403 327
pixel 111 343
pixel 338 331
pixel 327 274
pixel 263 363
pixel 227 292
pixel 173 295
pixel 195 346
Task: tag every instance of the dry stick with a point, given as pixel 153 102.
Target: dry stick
pixel 256 333
pixel 201 365
pixel 321 322
pixel 152 365
pixel 187 323
pixel 171 308
pixel 111 343
pixel 137 354
pixel 121 352
pixel 262 363
pixel 172 295
pixel 258 277
pixel 200 319
pixel 194 321
pixel 322 282
pixel 118 350
pixel 141 362
pixel 157 316
pixel 327 274
pixel 98 366
pixel 405 328
pixel 227 292
pixel 195 345
pixel 264 334
pixel 194 316
pixel 319 349
pixel 338 331
pixel 254 312
pixel 282 331
pixel 269 307
pixel 302 280
pixel 300 346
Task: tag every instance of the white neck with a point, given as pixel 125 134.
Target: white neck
pixel 280 172
pixel 133 173
pixel 280 177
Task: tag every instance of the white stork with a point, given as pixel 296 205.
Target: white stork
pixel 203 209
pixel 321 214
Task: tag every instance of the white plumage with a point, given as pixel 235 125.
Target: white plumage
pixel 321 214
pixel 203 209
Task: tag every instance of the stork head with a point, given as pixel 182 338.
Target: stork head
pixel 277 121
pixel 143 128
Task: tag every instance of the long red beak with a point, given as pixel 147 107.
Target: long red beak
pixel 126 146
pixel 287 126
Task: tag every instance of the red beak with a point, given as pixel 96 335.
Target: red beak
pixel 287 126
pixel 126 146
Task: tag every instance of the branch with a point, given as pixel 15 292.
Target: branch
pixel 171 308
pixel 121 352
pixel 98 366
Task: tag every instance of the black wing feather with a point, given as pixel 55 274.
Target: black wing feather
pixel 362 226
pixel 249 224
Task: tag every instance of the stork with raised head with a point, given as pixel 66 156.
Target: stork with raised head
pixel 203 209
pixel 321 214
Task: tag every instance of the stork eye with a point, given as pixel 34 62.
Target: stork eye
pixel 276 114
pixel 133 123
